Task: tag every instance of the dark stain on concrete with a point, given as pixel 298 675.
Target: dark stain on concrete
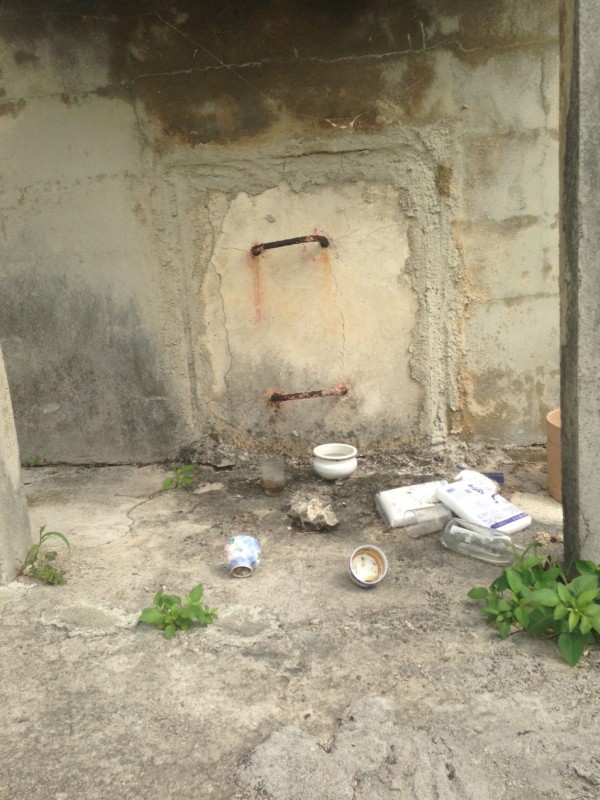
pixel 227 71
pixel 444 174
pixel 52 325
pixel 24 57
pixel 12 108
pixel 416 82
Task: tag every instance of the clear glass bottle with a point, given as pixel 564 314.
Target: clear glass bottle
pixel 475 540
pixel 420 521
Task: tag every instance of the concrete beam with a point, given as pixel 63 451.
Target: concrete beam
pixel 15 530
pixel 580 277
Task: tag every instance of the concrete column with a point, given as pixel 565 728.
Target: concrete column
pixel 15 530
pixel 580 276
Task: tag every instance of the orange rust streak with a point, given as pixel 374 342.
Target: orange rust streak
pixel 254 265
pixel 324 257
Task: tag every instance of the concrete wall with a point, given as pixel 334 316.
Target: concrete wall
pixel 145 152
pixel 15 531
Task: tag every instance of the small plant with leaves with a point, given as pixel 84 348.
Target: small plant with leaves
pixel 170 614
pixel 182 476
pixel 38 563
pixel 535 595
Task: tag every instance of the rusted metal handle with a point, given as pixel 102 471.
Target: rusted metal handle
pixel 313 237
pixel 277 396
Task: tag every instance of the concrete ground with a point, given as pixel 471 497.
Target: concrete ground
pixel 307 687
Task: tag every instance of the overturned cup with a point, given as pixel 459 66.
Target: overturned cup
pixel 242 555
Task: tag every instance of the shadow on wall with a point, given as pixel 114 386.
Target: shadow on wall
pixel 84 375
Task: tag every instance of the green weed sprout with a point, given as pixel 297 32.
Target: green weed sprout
pixel 181 477
pixel 535 595
pixel 38 564
pixel 170 614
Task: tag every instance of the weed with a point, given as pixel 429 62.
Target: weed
pixel 33 462
pixel 534 595
pixel 170 614
pixel 38 565
pixel 181 477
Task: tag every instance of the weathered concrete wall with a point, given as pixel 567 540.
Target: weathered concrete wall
pixel 15 530
pixel 146 151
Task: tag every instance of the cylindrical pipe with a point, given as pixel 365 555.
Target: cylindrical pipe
pixel 257 249
pixel 276 396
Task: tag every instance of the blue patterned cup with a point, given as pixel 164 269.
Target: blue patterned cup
pixel 242 555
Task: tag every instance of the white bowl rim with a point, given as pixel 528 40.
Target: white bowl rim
pixel 348 451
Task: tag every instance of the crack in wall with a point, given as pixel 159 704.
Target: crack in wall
pixel 218 275
pixel 278 62
pixel 225 328
pixel 341 312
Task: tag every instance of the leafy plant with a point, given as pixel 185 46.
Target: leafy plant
pixel 181 477
pixel 535 595
pixel 170 614
pixel 38 564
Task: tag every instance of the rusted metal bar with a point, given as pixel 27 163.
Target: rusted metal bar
pixel 313 237
pixel 276 396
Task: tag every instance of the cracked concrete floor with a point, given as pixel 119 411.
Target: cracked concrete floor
pixel 307 687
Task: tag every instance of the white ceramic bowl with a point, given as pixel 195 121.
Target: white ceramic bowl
pixel 368 566
pixel 334 461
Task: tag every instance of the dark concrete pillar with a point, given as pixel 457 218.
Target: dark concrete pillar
pixel 580 276
pixel 15 531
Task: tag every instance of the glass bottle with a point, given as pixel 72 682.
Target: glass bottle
pixel 475 540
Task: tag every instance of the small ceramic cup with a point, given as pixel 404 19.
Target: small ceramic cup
pixel 368 566
pixel 334 460
pixel 242 555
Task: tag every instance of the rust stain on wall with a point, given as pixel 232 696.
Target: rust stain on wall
pixel 323 258
pixel 254 266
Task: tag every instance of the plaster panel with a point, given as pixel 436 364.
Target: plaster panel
pixel 516 102
pixel 49 140
pixel 94 227
pixel 445 86
pixel 510 176
pixel 510 259
pixel 303 318
pixel 508 388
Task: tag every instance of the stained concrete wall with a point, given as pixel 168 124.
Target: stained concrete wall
pixel 15 531
pixel 146 150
